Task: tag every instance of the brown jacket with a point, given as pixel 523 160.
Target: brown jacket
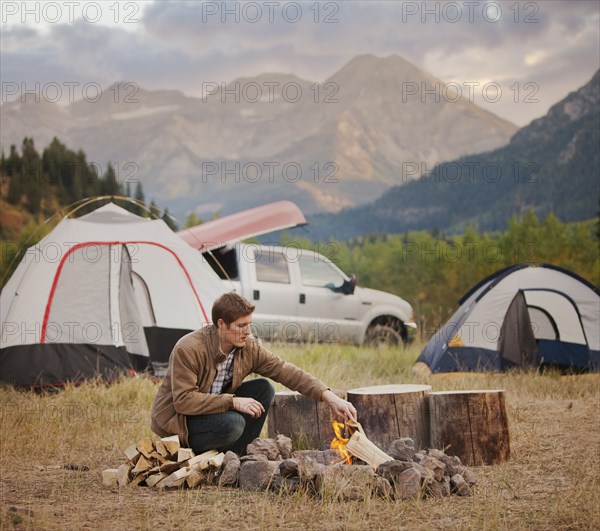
pixel 185 389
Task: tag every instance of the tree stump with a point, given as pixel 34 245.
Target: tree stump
pixel 305 421
pixel 470 424
pixel 388 412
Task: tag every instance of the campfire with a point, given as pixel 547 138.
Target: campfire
pixel 356 444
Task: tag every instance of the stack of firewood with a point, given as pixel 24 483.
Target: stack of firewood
pixel 162 463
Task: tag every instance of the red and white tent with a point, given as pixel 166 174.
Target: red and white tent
pixel 100 295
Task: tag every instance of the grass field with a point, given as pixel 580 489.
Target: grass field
pixel 551 481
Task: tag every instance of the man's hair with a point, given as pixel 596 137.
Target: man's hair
pixel 231 306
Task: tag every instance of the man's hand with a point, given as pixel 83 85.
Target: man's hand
pixel 248 406
pixel 342 408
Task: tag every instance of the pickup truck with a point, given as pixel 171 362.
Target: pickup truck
pixel 301 295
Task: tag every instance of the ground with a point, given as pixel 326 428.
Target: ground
pixel 550 482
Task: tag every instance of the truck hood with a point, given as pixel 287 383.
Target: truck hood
pixel 381 298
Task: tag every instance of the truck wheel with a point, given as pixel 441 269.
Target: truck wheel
pixel 379 335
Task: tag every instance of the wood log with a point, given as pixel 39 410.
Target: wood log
pixel 132 453
pixel 122 475
pixel 171 444
pixel 109 477
pixel 470 424
pixel 153 479
pixel 142 465
pixel 145 447
pixel 389 412
pixel 217 460
pixel 183 454
pixel 305 421
pixel 201 461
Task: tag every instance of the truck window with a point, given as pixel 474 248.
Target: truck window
pixel 320 274
pixel 224 262
pixel 271 267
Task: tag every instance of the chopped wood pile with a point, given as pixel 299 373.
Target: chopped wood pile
pixel 163 463
pixel 270 464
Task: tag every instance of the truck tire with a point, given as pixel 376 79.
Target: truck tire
pixel 379 335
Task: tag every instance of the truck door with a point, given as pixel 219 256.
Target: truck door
pixel 324 314
pixel 273 294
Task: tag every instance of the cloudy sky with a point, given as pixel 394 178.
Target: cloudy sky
pixel 535 52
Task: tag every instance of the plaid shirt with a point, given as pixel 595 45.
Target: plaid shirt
pixel 224 375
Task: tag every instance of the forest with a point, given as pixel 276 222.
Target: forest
pixel 429 269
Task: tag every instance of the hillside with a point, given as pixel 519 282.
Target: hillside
pixel 551 165
pixel 348 135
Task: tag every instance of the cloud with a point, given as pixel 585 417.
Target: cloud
pixel 179 45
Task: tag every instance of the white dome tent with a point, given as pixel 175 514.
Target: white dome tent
pixel 100 295
pixel 527 315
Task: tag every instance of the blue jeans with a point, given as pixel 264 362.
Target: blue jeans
pixel 231 430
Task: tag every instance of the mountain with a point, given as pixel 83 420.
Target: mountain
pixel 329 145
pixel 551 165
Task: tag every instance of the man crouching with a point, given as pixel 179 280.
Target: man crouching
pixel 203 397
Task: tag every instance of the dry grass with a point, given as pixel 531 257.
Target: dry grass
pixel 551 481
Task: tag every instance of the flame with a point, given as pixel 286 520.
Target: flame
pixel 339 441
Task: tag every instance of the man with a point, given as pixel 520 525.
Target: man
pixel 203 397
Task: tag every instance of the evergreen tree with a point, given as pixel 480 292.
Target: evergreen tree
pixel 169 220
pixel 12 168
pixel 192 220
pixel 109 184
pixel 154 210
pixel 140 208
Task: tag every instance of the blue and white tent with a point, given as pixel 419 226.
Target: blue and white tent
pixel 526 315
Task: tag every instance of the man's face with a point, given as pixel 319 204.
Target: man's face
pixel 236 334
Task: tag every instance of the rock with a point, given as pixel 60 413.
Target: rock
pixel 259 475
pixel 289 468
pixel 459 486
pixel 435 465
pixel 308 468
pixel 469 476
pixel 438 454
pixel 419 456
pixel 425 473
pixel 346 482
pixel 325 457
pixel 445 486
pixel 229 455
pixel 453 464
pixel 402 449
pixel 390 470
pixel 284 444
pixel 231 471
pixel 383 487
pixel 408 485
pixel 290 485
pixel 434 490
pixel 266 447
pixel 253 457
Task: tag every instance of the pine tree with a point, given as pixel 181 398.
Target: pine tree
pixel 192 220
pixel 140 208
pixel 166 217
pixel 154 210
pixel 109 184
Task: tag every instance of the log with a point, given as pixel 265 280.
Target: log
pixel 470 424
pixel 389 412
pixel 305 421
